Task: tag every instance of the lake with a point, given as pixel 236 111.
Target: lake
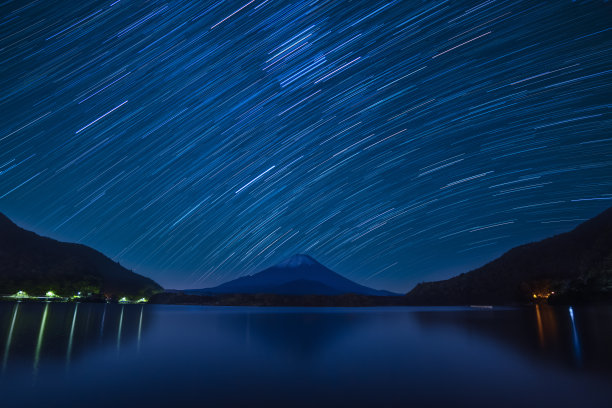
pixel 87 354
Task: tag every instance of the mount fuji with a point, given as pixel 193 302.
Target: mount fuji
pixel 297 275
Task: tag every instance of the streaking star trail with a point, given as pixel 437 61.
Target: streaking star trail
pixel 394 141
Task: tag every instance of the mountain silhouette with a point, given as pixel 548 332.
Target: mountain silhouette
pixel 569 267
pixel 38 264
pixel 297 275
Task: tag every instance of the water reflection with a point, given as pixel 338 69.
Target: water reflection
pixel 103 319
pixel 52 332
pixel 69 351
pixel 9 338
pixel 571 337
pixel 41 332
pixel 576 342
pixel 120 327
pixel 540 326
pixel 298 336
pixel 546 318
pixel 140 327
pixel 300 357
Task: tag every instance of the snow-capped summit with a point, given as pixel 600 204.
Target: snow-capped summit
pixel 298 275
pixel 297 260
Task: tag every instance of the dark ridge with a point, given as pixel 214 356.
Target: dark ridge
pixel 38 264
pixel 576 266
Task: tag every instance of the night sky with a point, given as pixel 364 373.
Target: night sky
pixel 394 141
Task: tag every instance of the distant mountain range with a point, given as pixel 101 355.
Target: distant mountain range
pixel 297 275
pixel 573 267
pixel 570 268
pixel 38 264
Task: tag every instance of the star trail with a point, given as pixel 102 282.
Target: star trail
pixel 394 141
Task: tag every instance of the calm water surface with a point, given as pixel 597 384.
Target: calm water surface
pixel 153 355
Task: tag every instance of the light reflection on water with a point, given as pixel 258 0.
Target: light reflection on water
pixel 327 356
pixel 575 340
pixel 9 337
pixel 546 317
pixel 85 326
pixel 41 332
pixel 120 327
pixel 70 339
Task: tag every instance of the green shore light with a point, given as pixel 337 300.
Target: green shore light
pixel 20 295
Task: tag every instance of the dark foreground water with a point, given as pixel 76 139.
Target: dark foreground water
pixel 133 355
